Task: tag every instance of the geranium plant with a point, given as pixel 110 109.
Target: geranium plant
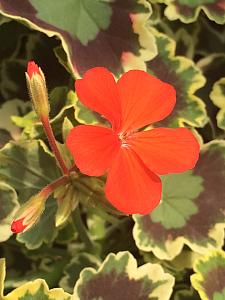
pixel 112 156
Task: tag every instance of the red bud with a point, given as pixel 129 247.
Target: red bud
pixel 32 68
pixel 17 226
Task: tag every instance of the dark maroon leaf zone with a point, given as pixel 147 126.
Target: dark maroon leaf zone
pixel 167 74
pixel 210 203
pixel 218 7
pixel 113 286
pixel 106 49
pixel 214 282
pixel 184 9
pixel 17 7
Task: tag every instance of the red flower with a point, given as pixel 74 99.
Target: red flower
pixel 131 157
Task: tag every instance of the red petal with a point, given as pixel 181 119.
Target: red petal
pixel 144 99
pixel 93 148
pixel 97 90
pixel 166 150
pixel 131 187
pixel 32 68
pixel 17 226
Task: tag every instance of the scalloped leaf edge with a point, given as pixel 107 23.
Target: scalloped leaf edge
pixel 174 248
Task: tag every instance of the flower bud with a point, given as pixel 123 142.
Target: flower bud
pixel 37 89
pixel 67 201
pixel 29 213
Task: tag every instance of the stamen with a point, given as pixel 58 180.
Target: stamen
pixel 124 137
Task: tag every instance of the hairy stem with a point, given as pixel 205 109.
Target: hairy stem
pixel 48 189
pixel 52 142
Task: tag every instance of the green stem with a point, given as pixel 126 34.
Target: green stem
pixel 212 129
pixel 52 142
pixel 106 216
pixel 82 229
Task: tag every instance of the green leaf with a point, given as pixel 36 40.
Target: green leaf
pixel 177 204
pixel 213 66
pixel 9 203
pixel 11 108
pixel 59 100
pixel 62 58
pixel 28 166
pixel 66 127
pixel 44 231
pixel 86 116
pixel 120 278
pixel 186 295
pixel 84 18
pixel 218 97
pixel 188 10
pixel 74 267
pixel 35 290
pixel 201 192
pixel 62 105
pixel 48 263
pixel 9 206
pixel 215 35
pixel 219 296
pixel 185 77
pixel 4 20
pixel 90 34
pixel 186 40
pixel 67 234
pixel 209 277
pixel 185 260
pixel 96 224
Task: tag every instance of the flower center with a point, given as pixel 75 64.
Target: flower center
pixel 124 137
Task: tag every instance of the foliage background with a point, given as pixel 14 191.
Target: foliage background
pixel 177 251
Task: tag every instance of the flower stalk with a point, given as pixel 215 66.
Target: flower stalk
pixel 29 213
pixel 39 96
pixel 52 142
